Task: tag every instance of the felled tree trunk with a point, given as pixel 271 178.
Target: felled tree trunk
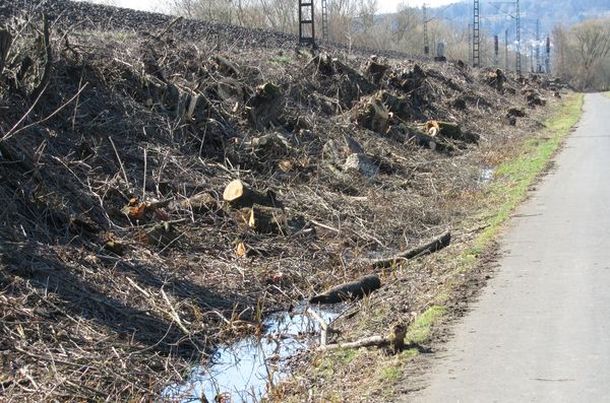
pixel 267 220
pixel 239 195
pixel 348 291
pixel 5 44
pixel 435 245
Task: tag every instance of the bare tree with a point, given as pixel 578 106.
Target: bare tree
pixel 592 46
pixel 582 54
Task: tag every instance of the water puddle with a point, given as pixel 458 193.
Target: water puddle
pixel 486 175
pixel 240 372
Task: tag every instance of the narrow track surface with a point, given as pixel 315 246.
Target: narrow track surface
pixel 541 329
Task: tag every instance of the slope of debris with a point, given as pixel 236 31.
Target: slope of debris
pixel 120 262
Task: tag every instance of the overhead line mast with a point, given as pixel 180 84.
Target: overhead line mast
pixel 306 23
pixel 426 45
pixel 325 20
pixel 518 38
pixel 476 38
pixel 538 61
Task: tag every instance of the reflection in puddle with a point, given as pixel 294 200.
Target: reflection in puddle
pixel 241 371
pixel 486 175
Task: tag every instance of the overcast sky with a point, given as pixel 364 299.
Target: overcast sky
pixel 384 5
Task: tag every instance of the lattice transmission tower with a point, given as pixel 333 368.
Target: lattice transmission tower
pixel 307 33
pixel 476 35
pixel 325 20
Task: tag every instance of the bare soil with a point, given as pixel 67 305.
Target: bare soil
pixel 114 280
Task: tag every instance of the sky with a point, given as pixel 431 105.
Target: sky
pixel 385 6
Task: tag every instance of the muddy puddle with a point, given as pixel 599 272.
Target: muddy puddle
pixel 242 371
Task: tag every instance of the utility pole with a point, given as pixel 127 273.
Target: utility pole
pixel 518 38
pixel 496 50
pixel 306 23
pixel 426 46
pixel 538 62
pixel 470 44
pixel 324 20
pixel 506 49
pixel 476 39
pixel 548 55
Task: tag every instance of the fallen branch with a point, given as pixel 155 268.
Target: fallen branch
pixel 395 340
pixel 437 244
pixel 372 341
pixel 169 26
pixel 324 327
pixel 174 314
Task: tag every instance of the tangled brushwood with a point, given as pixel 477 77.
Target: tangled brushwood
pixel 121 264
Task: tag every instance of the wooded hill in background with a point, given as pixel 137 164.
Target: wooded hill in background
pixel 358 23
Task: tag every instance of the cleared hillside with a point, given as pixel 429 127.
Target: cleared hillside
pixel 120 263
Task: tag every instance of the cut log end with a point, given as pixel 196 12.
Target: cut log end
pixel 234 190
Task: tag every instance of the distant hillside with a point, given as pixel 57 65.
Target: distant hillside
pixel 495 19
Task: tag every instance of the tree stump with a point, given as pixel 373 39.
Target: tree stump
pixel 267 220
pixel 265 106
pixel 5 44
pixel 238 195
pixel 375 70
pixel 449 130
pixel 373 115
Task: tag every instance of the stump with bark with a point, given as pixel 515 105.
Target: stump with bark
pixel 5 44
pixel 239 195
pixel 267 220
pixel 372 114
pixel 265 106
pixel 375 70
pixel 449 130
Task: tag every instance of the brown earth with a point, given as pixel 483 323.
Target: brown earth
pixel 120 264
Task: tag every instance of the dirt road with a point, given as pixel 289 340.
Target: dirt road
pixel 541 329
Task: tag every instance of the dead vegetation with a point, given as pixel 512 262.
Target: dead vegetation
pixel 159 195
